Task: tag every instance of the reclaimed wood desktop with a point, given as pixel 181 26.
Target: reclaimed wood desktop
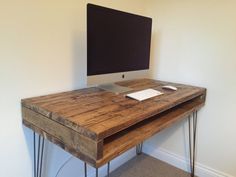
pixel 96 125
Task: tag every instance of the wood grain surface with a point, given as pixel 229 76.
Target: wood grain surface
pixel 122 141
pixel 94 116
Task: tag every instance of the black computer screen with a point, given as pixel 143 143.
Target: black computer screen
pixel 116 41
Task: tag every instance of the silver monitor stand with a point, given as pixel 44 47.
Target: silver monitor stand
pixel 111 87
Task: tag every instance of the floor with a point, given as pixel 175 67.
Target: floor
pixel 146 166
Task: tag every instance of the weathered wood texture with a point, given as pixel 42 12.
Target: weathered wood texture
pixel 61 144
pixel 128 138
pixel 92 116
pixel 71 138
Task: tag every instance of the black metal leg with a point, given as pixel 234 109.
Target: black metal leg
pixel 38 158
pixel 108 169
pixel 34 154
pixel 139 149
pixel 41 158
pixel 39 145
pixel 85 169
pixel 192 126
pixel 96 172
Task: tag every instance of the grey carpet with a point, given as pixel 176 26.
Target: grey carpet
pixel 146 166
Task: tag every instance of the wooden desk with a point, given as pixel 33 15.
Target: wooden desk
pixel 96 125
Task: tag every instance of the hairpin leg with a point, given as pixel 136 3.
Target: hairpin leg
pixel 96 172
pixel 108 169
pixel 139 148
pixel 34 154
pixel 192 126
pixel 85 169
pixel 41 158
pixel 38 155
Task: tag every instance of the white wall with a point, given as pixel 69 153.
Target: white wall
pixel 42 51
pixel 194 42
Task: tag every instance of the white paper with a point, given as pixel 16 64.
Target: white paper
pixel 144 94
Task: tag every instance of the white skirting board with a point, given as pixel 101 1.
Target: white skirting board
pixel 182 163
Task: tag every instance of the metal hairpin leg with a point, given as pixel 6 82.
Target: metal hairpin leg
pixel 192 126
pixel 38 158
pixel 85 169
pixel 139 148
pixel 96 172
pixel 108 169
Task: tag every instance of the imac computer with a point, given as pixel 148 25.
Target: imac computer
pixel 117 42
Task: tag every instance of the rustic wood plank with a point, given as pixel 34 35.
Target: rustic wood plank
pixel 115 121
pixel 118 143
pixel 69 137
pixel 42 104
pixel 61 144
pixel 97 114
pixel 89 117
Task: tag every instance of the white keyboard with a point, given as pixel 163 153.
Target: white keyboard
pixel 144 94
